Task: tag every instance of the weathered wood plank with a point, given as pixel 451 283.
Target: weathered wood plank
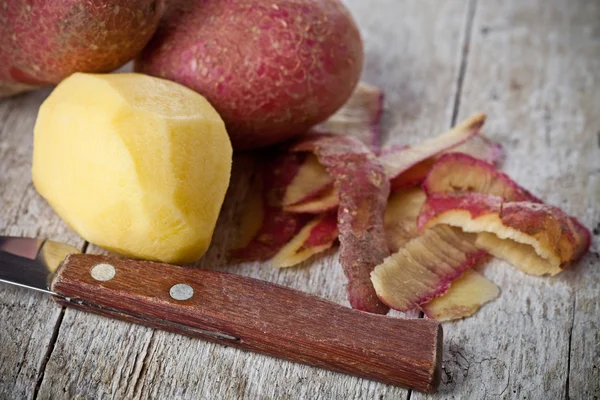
pixel 28 318
pixel 417 66
pixel 584 358
pixel 534 67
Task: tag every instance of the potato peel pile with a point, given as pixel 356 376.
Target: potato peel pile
pixel 449 207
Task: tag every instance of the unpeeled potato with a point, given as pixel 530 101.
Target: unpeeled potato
pixel 135 164
pixel 272 69
pixel 42 42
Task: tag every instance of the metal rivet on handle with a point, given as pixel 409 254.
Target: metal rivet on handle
pixel 103 272
pixel 181 291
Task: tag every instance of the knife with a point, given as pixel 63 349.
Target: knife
pixel 231 310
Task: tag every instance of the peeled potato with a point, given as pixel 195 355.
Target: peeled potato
pixel 135 164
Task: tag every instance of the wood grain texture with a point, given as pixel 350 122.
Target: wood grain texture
pixel 28 318
pixel 420 93
pixel 258 316
pixel 534 67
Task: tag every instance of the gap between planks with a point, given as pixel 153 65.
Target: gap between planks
pixel 456 108
pixel 52 343
pixel 462 70
pixel 139 379
pixel 466 41
pixel 48 354
pixel 566 396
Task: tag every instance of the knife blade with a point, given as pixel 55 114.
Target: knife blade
pixel 31 263
pixel 231 310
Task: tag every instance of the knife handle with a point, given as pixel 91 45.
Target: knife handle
pixel 255 315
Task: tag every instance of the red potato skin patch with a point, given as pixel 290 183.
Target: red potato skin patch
pixel 451 162
pixel 325 232
pixel 363 190
pixel 278 227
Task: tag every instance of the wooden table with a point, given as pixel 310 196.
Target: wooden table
pixel 533 66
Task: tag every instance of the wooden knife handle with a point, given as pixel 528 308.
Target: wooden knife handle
pixel 255 315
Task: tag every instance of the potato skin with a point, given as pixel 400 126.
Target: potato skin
pixel 42 42
pixel 271 69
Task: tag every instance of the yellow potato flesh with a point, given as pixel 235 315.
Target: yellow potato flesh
pixel 135 164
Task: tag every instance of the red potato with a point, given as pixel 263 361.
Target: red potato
pixel 43 42
pixel 271 69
